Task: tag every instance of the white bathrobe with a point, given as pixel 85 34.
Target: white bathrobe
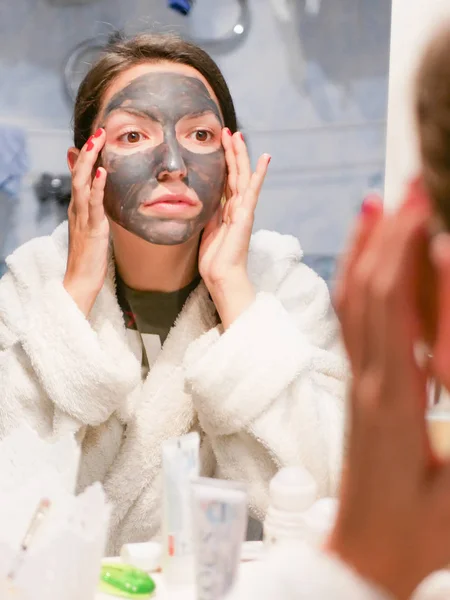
pixel 268 392
pixel 296 571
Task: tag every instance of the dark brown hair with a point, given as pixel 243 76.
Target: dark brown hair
pixel 122 54
pixel 432 109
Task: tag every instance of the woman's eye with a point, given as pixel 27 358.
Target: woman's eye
pixel 201 135
pixel 131 137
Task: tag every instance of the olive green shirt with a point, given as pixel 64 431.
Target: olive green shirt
pixel 150 315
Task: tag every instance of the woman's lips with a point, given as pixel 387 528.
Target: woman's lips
pixel 172 204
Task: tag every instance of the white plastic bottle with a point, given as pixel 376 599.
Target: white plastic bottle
pixel 319 520
pixel 293 491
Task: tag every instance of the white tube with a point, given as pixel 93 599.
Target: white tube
pixel 219 510
pixel 180 459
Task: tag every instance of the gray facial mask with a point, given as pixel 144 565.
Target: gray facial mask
pixel 165 98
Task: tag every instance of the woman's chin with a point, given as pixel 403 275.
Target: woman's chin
pixel 166 232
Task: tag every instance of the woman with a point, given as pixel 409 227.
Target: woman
pixel 393 525
pixel 154 312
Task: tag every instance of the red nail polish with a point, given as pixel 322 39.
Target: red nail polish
pixel 242 137
pixel 228 131
pixel 89 144
pixel 98 133
pixel 367 207
pixel 98 173
pixel 269 159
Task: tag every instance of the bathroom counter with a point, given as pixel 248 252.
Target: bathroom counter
pixel 161 593
pixel 434 587
pixel 188 592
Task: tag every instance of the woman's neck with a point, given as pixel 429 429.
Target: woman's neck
pixel 150 267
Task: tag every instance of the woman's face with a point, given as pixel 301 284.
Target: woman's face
pixel 163 152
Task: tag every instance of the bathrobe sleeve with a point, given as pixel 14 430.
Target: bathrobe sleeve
pixel 54 367
pixel 270 390
pixel 295 571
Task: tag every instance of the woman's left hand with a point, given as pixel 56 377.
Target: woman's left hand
pixel 393 524
pixel 225 241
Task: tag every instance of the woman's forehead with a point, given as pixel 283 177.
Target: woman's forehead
pixel 127 80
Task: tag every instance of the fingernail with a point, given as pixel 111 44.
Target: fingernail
pixel 269 158
pixel 369 205
pixel 98 173
pixel 228 131
pixel 241 136
pixel 89 144
pixel 98 133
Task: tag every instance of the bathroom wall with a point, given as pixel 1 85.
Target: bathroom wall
pixel 309 89
pixel 413 23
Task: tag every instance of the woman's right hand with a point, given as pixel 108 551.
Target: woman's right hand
pixel 88 227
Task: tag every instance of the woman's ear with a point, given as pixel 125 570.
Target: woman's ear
pixel 72 157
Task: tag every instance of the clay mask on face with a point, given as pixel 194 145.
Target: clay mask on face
pixel 165 99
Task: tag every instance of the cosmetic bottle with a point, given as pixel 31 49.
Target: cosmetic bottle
pixel 182 6
pixel 438 420
pixel 292 492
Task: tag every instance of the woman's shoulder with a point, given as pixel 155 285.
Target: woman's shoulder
pixel 275 258
pixel 29 268
pixel 274 246
pixel 40 259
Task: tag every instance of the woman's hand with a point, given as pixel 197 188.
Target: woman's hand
pixel 393 525
pixel 88 227
pixel 226 238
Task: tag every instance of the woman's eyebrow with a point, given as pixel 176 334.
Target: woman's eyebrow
pixel 135 112
pixel 201 113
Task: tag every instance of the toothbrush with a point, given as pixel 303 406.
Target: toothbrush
pixel 39 514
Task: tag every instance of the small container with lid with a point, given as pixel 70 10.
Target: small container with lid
pixel 293 491
pixel 319 520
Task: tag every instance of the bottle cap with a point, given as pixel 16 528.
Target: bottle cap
pixel 320 518
pixel 144 555
pixel 293 489
pixel 181 6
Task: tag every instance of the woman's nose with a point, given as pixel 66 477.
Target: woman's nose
pixel 172 165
